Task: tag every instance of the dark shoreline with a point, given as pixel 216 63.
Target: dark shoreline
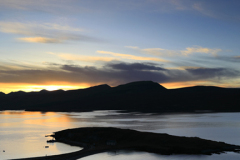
pixel 95 140
pixel 129 111
pixel 143 96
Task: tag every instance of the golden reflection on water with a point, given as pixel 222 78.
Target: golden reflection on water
pixel 19 113
pixel 39 118
pixel 51 120
pixel 45 119
pixel 28 130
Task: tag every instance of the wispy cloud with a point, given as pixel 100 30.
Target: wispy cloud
pixel 230 60
pixel 160 52
pixel 132 57
pixel 105 57
pixel 44 33
pixel 49 6
pixel 132 47
pixel 222 9
pixel 30 28
pixel 40 40
pixel 227 10
pixel 186 52
pixel 83 58
pixel 198 49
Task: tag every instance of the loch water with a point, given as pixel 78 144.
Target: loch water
pixel 22 134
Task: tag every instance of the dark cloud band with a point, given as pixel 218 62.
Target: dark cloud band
pixel 114 74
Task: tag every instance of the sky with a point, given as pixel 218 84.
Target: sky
pixel 70 44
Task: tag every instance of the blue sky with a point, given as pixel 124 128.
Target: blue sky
pixel 52 44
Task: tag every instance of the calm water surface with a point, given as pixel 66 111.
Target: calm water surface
pixel 22 134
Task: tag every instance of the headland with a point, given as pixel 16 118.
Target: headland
pixel 99 139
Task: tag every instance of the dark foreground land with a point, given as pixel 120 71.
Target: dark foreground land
pixel 97 140
pixel 144 96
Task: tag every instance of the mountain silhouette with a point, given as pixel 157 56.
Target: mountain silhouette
pixel 142 96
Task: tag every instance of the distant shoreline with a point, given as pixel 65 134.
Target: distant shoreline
pixel 131 111
pixel 142 96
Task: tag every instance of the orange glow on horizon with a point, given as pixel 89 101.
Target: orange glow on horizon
pixel 173 85
pixel 14 87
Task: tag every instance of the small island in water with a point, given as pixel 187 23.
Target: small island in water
pixel 103 139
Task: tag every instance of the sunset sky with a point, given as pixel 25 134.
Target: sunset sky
pixel 69 44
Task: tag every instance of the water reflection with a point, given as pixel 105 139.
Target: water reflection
pixel 28 129
pixel 123 155
pixel 22 134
